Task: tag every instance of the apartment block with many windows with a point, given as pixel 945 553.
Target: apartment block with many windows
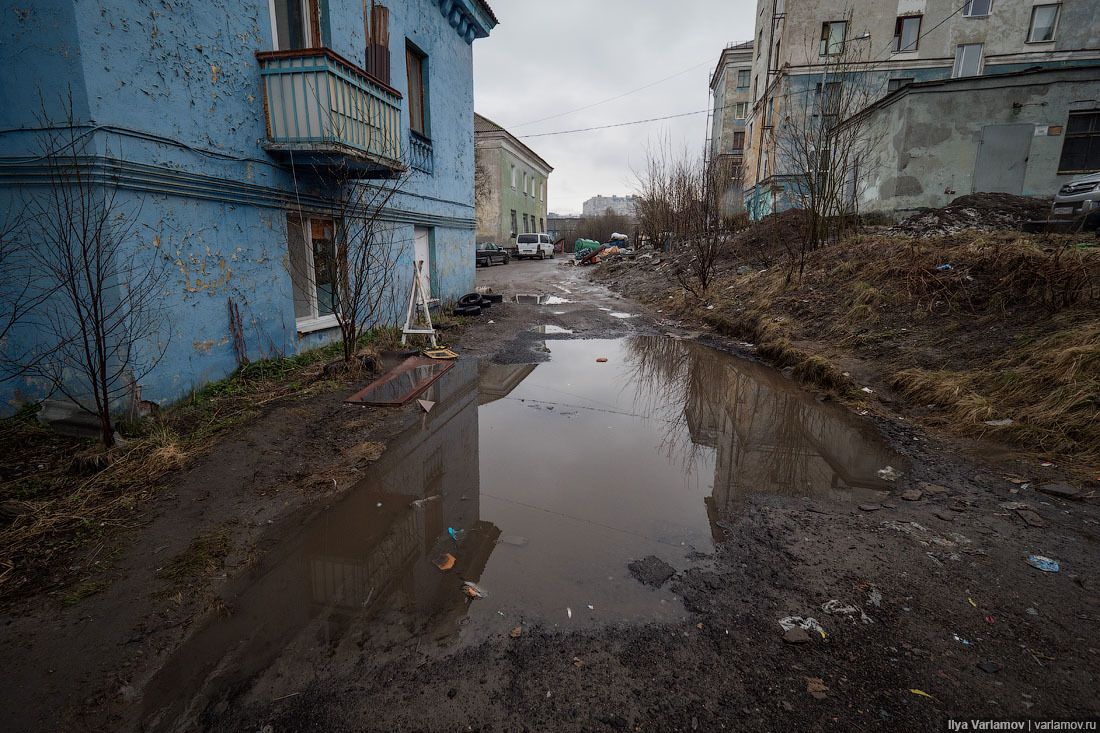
pixel 510 186
pixel 731 96
pixel 890 45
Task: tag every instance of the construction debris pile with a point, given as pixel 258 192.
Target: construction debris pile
pixel 985 212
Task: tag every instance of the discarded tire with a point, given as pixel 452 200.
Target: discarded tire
pixel 467 310
pixel 493 297
pixel 470 299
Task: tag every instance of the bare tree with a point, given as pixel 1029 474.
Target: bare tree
pixel 101 321
pixel 680 207
pixel 815 139
pixel 20 294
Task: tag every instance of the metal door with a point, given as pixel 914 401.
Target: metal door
pixel 1002 158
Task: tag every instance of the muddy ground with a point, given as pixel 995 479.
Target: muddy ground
pixel 924 609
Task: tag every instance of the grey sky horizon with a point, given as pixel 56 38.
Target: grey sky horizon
pixel 548 58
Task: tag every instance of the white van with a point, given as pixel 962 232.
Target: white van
pixel 534 245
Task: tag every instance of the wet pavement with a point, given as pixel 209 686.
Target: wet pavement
pixel 540 483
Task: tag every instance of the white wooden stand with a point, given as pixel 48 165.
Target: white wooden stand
pixel 418 305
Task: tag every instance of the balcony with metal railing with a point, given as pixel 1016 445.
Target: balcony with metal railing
pixel 324 111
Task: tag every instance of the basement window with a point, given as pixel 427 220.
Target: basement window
pixel 1044 20
pixel 906 34
pixel 1081 146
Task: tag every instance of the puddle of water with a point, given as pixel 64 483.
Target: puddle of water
pixel 615 314
pixel 543 482
pixel 550 328
pixel 541 299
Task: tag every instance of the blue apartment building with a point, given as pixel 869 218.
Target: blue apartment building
pixel 221 123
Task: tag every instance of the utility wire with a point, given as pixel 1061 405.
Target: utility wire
pixel 632 122
pixel 612 99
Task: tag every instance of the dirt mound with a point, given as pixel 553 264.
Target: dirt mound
pixel 985 212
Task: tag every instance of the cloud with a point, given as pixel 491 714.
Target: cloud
pixel 548 58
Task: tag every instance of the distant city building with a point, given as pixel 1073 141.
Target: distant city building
pixel 562 227
pixel 510 183
pixel 598 205
pixel 731 98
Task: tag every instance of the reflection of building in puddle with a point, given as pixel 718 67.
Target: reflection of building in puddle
pixel 768 434
pixel 371 553
pixel 495 381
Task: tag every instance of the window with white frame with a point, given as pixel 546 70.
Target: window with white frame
pixel 1044 21
pixel 525 183
pixel 294 24
pixel 977 8
pixel 513 177
pixel 542 191
pixel 740 110
pixel 311 245
pixel 968 60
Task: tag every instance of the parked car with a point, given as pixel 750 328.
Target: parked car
pixel 534 245
pixel 1079 200
pixel 488 254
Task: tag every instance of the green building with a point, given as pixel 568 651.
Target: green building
pixel 510 185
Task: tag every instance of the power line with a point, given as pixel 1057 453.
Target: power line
pixel 611 99
pixel 624 124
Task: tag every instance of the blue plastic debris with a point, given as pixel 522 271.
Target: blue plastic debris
pixel 455 534
pixel 944 267
pixel 1043 563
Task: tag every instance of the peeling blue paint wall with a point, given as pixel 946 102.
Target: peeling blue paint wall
pixel 173 93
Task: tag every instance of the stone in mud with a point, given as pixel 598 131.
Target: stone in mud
pixel 870 507
pixel 1061 490
pixel 652 570
pixel 888 505
pixel 946 516
pixel 796 635
pixel 1032 519
pixel 912 495
pixel 933 488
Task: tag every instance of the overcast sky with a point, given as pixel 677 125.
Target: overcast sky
pixel 546 58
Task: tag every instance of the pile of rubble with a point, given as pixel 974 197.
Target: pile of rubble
pixel 985 212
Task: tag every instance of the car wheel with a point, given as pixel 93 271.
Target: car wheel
pixel 507 259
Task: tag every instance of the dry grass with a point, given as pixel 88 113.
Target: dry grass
pixel 205 555
pixel 65 508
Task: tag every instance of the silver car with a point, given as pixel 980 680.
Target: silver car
pixel 1079 200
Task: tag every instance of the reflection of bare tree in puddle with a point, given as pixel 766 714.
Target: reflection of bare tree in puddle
pixel 768 435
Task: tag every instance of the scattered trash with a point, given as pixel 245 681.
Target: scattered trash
pixel 455 533
pixel 836 608
pixel 446 354
pixel 972 603
pixel 446 561
pixel 889 474
pixel 1048 464
pixel 591 607
pixel 427 405
pixel 912 495
pixel 875 597
pixel 516 632
pixel 1000 423
pixel 578 662
pixel 959 638
pixel 808 624
pixel 816 687
pixel 868 390
pixel 988 666
pixel 1033 611
pixel 944 267
pixel 472 590
pixel 922 693
pixel 601 360
pixel 989 619
pixel 1043 563
pixel 569 612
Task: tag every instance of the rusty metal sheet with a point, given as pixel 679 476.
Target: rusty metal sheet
pixel 401 384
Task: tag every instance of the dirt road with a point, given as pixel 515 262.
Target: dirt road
pixel 605 521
